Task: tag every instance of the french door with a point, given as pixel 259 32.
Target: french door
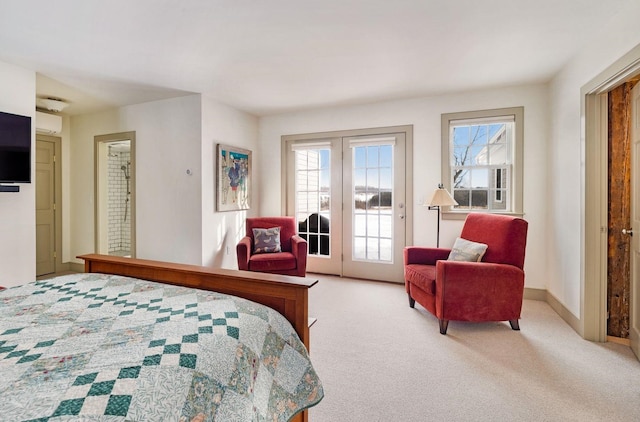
pixel 349 196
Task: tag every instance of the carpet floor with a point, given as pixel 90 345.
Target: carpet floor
pixel 380 360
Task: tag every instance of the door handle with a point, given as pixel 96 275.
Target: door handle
pixel 627 231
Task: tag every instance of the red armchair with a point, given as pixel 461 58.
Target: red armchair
pixel 489 290
pixel 292 260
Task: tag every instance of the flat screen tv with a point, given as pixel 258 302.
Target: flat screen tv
pixel 15 148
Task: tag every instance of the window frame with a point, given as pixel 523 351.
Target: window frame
pixel 497 178
pixel 516 194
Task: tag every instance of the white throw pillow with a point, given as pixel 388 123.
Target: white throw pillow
pixel 466 250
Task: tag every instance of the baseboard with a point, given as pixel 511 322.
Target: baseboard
pixel 535 294
pixel 76 267
pixel 63 267
pixel 565 314
pixel 618 340
pixel 544 296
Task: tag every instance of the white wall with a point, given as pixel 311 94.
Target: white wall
pixel 565 161
pixel 17 210
pixel 424 114
pixel 221 231
pixel 175 179
pixel 65 137
pixel 168 142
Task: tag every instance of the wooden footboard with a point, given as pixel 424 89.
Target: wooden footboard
pixel 287 295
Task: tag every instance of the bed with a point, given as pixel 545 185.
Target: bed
pixel 133 339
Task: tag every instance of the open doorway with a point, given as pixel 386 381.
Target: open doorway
pixel 620 231
pixel 115 194
pixel 595 112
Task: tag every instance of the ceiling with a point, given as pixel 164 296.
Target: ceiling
pixel 274 56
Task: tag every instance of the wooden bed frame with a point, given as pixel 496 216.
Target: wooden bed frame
pixel 287 295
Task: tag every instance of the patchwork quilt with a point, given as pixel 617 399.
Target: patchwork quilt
pixel 95 347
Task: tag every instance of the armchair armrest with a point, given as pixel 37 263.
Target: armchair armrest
pixel 478 291
pixel 243 250
pixel 299 250
pixel 423 255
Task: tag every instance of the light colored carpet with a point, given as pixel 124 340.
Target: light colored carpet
pixel 380 360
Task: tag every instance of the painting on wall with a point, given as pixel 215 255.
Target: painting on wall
pixel 233 178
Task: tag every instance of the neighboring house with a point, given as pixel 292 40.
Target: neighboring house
pixel 493 195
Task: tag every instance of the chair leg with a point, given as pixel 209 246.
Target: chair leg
pixel 515 325
pixel 412 301
pixel 444 323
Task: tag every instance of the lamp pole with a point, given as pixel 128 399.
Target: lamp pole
pixel 438 231
pixel 436 207
pixel 440 197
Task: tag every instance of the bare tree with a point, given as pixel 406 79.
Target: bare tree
pixel 461 158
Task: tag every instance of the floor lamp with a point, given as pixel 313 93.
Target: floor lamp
pixel 441 198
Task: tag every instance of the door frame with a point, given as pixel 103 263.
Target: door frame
pixel 634 296
pixel 406 129
pixel 105 140
pixel 57 219
pixel 594 113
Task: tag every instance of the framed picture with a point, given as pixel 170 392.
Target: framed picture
pixel 233 177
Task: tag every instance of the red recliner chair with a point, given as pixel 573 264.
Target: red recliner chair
pixel 489 290
pixel 290 260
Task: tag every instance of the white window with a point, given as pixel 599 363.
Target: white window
pixel 482 160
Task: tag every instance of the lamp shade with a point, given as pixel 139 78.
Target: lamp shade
pixel 441 198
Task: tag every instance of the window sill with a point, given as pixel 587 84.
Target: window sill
pixel 461 215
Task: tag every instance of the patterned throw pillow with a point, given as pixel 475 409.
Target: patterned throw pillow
pixel 466 250
pixel 266 240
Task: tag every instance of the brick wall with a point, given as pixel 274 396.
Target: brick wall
pixel 119 209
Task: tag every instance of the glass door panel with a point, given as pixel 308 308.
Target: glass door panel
pixel 373 196
pixel 313 205
pixel 314 194
pixel 374 191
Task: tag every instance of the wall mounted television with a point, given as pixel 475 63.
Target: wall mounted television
pixel 15 148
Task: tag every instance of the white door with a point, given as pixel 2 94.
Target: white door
pixel 315 198
pixel 348 195
pixel 634 328
pixel 45 207
pixel 374 206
